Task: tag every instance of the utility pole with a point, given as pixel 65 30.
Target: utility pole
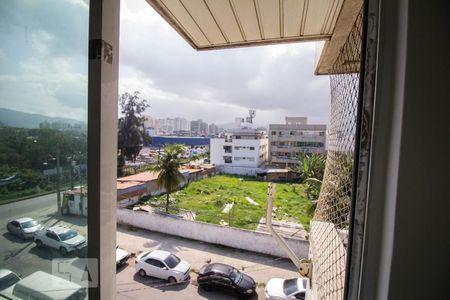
pixel 72 165
pixel 58 182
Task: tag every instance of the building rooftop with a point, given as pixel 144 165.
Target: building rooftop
pixel 140 177
pixel 77 191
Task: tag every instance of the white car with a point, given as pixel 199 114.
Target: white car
pixel 8 280
pixel 61 238
pixel 24 227
pixel 282 289
pixel 121 256
pixel 162 264
pixel 41 285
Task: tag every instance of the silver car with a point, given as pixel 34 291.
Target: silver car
pixel 24 228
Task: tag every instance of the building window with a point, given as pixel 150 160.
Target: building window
pixel 310 144
pixel 274 133
pixel 322 133
pixel 252 148
pixel 227 149
pixel 227 159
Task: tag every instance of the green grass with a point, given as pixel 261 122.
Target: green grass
pixel 208 197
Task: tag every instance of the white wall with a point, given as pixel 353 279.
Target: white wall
pixel 215 234
pixel 245 171
pixel 74 207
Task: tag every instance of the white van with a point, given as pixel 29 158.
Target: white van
pixel 44 286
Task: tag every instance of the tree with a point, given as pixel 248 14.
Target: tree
pixel 311 168
pixel 131 134
pixel 168 165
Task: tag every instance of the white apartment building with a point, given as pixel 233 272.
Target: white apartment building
pixel 239 151
pixel 287 141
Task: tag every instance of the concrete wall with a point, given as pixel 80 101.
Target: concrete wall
pixel 244 171
pixel 76 208
pixel 215 234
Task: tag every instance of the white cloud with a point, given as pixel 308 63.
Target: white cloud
pixel 41 42
pixel 47 87
pixel 82 3
pixel 275 80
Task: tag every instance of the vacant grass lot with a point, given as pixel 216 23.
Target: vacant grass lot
pixel 208 197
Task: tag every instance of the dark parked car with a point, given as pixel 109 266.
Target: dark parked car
pixel 227 278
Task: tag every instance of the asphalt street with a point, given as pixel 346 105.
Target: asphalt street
pixel 22 256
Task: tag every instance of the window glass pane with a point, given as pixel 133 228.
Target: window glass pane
pixel 43 142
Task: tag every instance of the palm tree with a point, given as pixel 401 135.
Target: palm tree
pixel 168 166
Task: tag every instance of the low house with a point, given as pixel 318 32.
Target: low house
pixel 132 188
pixel 75 202
pixel 130 191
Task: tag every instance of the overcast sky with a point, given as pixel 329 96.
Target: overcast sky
pixel 43 59
pixel 219 85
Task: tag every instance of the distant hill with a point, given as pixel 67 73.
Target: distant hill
pixel 14 118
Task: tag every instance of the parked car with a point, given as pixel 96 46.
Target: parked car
pixel 122 256
pixel 41 285
pixel 281 289
pixel 162 264
pixel 62 238
pixel 226 278
pixel 8 280
pixel 24 228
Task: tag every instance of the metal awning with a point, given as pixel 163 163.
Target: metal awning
pixel 216 24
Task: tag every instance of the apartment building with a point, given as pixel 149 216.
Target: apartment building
pixel 150 122
pixel 181 124
pixel 239 151
pixel 213 129
pixel 287 141
pixel 198 127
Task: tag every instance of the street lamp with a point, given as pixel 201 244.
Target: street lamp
pixel 58 178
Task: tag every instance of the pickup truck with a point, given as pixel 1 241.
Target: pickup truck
pixel 61 238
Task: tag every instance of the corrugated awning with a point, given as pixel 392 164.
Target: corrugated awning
pixel 216 24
